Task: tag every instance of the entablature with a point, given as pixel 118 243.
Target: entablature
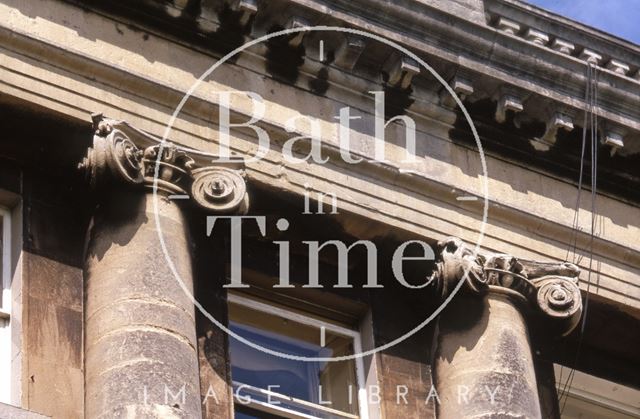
pixel 133 90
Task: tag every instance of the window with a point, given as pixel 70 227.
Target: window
pixel 595 398
pixel 267 386
pixel 5 305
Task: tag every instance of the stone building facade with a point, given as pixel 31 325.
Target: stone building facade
pixel 317 208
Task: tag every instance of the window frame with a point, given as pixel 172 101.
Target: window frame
pixel 254 304
pixel 589 394
pixel 5 307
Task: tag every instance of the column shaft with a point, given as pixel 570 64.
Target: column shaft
pixel 483 361
pixel 140 342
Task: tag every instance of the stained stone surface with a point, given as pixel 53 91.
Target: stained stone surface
pixel 140 329
pixel 483 347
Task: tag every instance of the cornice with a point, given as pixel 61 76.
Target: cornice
pixel 489 56
pixel 591 37
pixel 479 48
pixel 485 51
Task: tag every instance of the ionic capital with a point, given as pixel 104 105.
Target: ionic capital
pixel 545 289
pixel 123 155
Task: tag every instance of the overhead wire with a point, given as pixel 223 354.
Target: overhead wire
pixel 591 97
pixel 576 214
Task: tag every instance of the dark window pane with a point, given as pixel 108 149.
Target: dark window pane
pixel 314 382
pixel 243 412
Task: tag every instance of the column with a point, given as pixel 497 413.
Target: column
pixel 483 362
pixel 140 335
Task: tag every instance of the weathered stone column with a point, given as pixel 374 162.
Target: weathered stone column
pixel 483 366
pixel 140 343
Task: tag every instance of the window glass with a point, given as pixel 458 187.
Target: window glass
pixel 311 388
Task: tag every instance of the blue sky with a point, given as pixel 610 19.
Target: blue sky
pixel 618 17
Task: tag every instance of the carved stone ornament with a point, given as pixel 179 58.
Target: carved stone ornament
pixel 549 289
pixel 124 155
